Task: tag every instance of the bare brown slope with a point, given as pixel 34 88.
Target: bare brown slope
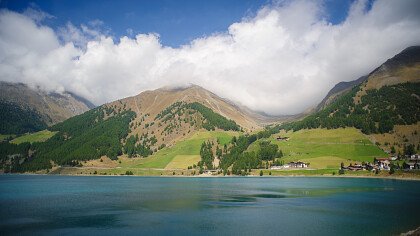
pixel 147 105
pixel 52 107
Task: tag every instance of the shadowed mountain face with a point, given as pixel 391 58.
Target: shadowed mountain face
pixel 42 109
pixel 338 90
pixel 403 67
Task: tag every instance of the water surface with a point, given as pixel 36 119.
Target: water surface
pixel 78 205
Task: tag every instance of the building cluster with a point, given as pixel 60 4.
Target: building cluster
pixel 279 138
pixel 291 165
pixel 412 162
pixel 384 163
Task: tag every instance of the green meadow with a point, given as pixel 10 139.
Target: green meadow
pixel 40 136
pixel 184 153
pixel 325 148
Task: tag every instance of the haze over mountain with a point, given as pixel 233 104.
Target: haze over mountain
pixel 41 108
pixel 280 60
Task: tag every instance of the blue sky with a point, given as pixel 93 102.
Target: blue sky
pixel 278 57
pixel 177 22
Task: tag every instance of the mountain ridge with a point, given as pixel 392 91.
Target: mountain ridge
pixel 51 107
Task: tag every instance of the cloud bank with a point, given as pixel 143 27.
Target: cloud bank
pixel 283 60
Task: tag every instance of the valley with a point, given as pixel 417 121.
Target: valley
pixel 190 131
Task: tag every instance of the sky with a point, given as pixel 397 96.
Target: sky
pixel 277 57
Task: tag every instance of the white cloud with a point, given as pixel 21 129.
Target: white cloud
pixel 281 61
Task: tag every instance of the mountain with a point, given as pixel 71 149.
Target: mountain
pixel 401 68
pixel 162 112
pixel 26 110
pixel 384 104
pixel 153 102
pixel 136 126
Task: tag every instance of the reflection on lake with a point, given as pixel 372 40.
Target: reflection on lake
pixel 221 206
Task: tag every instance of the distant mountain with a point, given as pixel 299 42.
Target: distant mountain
pixel 387 101
pixel 26 110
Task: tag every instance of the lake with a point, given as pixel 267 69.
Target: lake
pixel 94 205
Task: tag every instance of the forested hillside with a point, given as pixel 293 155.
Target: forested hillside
pixel 376 112
pixel 16 120
pixel 388 97
pixel 108 131
pixel 84 137
pixel 209 119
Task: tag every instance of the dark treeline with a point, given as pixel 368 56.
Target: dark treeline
pixel 378 111
pixel 132 147
pixel 211 120
pixel 11 154
pixel 206 154
pixel 16 120
pixel 242 161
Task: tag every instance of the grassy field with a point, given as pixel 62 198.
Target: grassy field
pixel 186 148
pixel 40 136
pixel 326 149
pixel 183 161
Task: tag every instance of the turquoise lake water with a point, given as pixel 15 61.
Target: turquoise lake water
pixel 77 205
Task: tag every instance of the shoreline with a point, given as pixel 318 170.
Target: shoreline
pixel 229 176
pixel 411 232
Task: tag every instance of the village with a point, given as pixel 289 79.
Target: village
pixel 406 163
pixel 391 163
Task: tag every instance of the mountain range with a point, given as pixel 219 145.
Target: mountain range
pixel 383 104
